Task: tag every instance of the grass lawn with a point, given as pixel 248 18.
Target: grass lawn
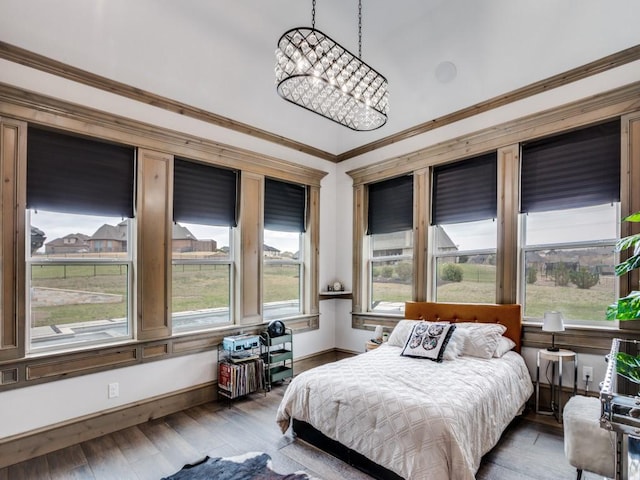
pixel 207 286
pixel 194 287
pixel 478 285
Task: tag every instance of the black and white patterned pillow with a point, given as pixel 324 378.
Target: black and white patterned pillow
pixel 428 340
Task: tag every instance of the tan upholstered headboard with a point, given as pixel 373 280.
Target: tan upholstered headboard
pixel 509 315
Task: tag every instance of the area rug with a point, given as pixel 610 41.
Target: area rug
pixel 250 466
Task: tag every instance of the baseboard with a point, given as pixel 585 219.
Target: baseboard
pixel 320 358
pixel 41 441
pixel 44 440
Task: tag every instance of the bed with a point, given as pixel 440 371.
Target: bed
pixel 397 416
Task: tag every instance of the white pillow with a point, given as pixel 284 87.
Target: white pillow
pixel 401 332
pixel 455 347
pixel 482 339
pixel 504 345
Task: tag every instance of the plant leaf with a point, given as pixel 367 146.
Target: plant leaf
pixel 628 366
pixel 634 217
pixel 629 264
pixel 628 242
pixel 627 308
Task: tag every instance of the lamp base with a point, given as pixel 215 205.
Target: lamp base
pixel 553 349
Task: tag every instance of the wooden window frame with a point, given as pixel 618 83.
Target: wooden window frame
pixel 506 139
pixel 156 148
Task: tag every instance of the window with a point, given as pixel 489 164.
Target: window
pixel 390 239
pixel 571 215
pixel 464 231
pixel 204 214
pixel 285 206
pixel 80 260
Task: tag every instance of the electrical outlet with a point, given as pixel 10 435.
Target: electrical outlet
pixel 587 371
pixel 113 390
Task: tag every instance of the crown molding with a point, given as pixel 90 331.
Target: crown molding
pixel 33 60
pixel 598 66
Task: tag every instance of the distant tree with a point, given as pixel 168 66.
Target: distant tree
pixel 561 274
pixel 532 275
pixel 451 272
pixel 404 271
pixel 387 271
pixel 463 258
pixel 584 279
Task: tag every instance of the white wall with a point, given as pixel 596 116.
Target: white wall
pixel 28 408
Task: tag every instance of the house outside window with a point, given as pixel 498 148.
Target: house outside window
pixel 204 217
pixel 285 210
pixel 464 230
pixel 570 207
pixel 390 242
pixel 79 292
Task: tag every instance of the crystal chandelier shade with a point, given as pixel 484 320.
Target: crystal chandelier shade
pixel 316 73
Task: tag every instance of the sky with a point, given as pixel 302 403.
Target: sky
pixel 56 225
pixel 599 222
pixel 586 224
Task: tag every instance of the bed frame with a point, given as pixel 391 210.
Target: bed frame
pixel 509 315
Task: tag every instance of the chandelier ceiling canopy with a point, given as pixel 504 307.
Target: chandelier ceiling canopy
pixel 317 73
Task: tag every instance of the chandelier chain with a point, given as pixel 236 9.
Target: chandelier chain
pixel 313 14
pixel 359 29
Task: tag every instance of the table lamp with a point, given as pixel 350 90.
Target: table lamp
pixel 552 322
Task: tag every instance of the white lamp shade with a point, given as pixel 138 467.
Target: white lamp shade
pixel 552 322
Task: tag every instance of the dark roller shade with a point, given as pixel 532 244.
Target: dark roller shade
pixel 390 205
pixel 465 191
pixel 78 175
pixel 575 169
pixel 204 194
pixel 285 206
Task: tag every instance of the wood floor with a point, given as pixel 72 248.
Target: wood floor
pixel 150 451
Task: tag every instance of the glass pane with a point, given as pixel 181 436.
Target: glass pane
pixel 65 235
pixel 193 241
pixel 574 225
pixel 72 304
pixel 201 296
pixel 390 244
pixel 579 282
pixel 278 245
pixel 391 279
pixel 391 284
pixel 481 235
pixel 282 273
pixel 281 290
pixel 466 279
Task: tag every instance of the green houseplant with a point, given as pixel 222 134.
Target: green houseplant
pixel 627 308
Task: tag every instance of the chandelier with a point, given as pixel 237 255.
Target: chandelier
pixel 317 73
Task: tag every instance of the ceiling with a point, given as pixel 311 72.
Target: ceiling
pixel 219 55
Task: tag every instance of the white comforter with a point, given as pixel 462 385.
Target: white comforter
pixel 420 419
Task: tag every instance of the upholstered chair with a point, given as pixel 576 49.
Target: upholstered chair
pixel 587 445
